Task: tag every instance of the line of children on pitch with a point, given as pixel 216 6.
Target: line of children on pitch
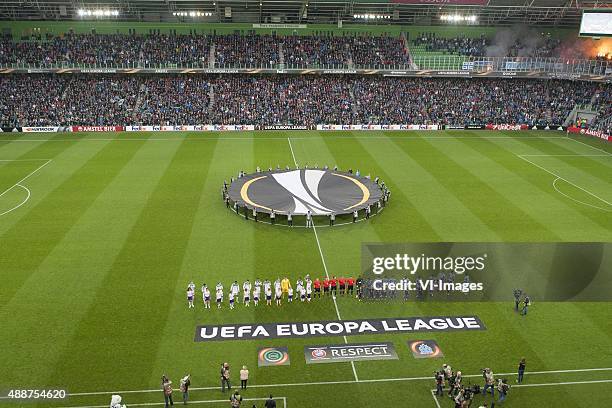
pixel 305 290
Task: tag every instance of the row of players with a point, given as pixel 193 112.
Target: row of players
pixel 304 290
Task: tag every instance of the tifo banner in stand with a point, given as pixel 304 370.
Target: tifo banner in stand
pixel 335 353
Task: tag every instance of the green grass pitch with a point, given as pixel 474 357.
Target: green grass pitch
pixel 100 233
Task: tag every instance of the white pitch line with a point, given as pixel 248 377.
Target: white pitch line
pixel 592 147
pixel 26 177
pixel 558 176
pixel 562 383
pixel 147 404
pixel 349 382
pixel 314 228
pixel 566 155
pixel 21 203
pixel 22 160
pixel 554 184
pixel 435 397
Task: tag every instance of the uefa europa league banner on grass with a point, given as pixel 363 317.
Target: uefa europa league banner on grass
pixel 261 331
pixel 487 271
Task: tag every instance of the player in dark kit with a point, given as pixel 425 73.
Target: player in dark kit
pixel 333 283
pixel 317 287
pixel 350 283
pixel 342 285
pixel 326 286
pixel 517 298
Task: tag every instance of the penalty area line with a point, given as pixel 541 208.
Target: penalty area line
pixel 20 185
pixel 562 178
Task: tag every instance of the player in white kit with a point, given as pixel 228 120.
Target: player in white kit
pixel 206 296
pixel 219 295
pixel 190 297
pixel 268 290
pixel 235 289
pixel 256 294
pixel 246 289
pixel 232 297
pixel 308 288
pixel 279 295
pixel 290 294
pixel 302 293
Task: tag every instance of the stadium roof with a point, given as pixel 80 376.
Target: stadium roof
pixel 413 12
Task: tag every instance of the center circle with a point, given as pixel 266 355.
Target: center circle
pixel 296 192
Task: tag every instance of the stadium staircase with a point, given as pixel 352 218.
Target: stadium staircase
pixel 583 111
pixel 407 51
pixel 349 61
pixel 211 97
pixel 211 56
pixel 354 103
pixel 143 92
pixel 281 56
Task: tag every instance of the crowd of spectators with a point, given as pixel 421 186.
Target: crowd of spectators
pixel 232 50
pixel 299 100
pixel 466 101
pixel 251 50
pixel 109 49
pixel 532 45
pixel 360 51
pixel 310 50
pixel 452 45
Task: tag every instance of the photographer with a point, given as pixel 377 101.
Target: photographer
pixel 439 378
pixel 448 371
pixel 526 303
pixel 184 387
pixel 502 388
pixel 225 377
pixel 517 298
pixel 236 400
pixel 167 389
pixel 521 370
pixel 489 382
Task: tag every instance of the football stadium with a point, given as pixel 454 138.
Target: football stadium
pixel 296 203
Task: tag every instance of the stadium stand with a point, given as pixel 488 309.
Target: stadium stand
pixel 297 100
pixel 234 50
pixel 109 50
